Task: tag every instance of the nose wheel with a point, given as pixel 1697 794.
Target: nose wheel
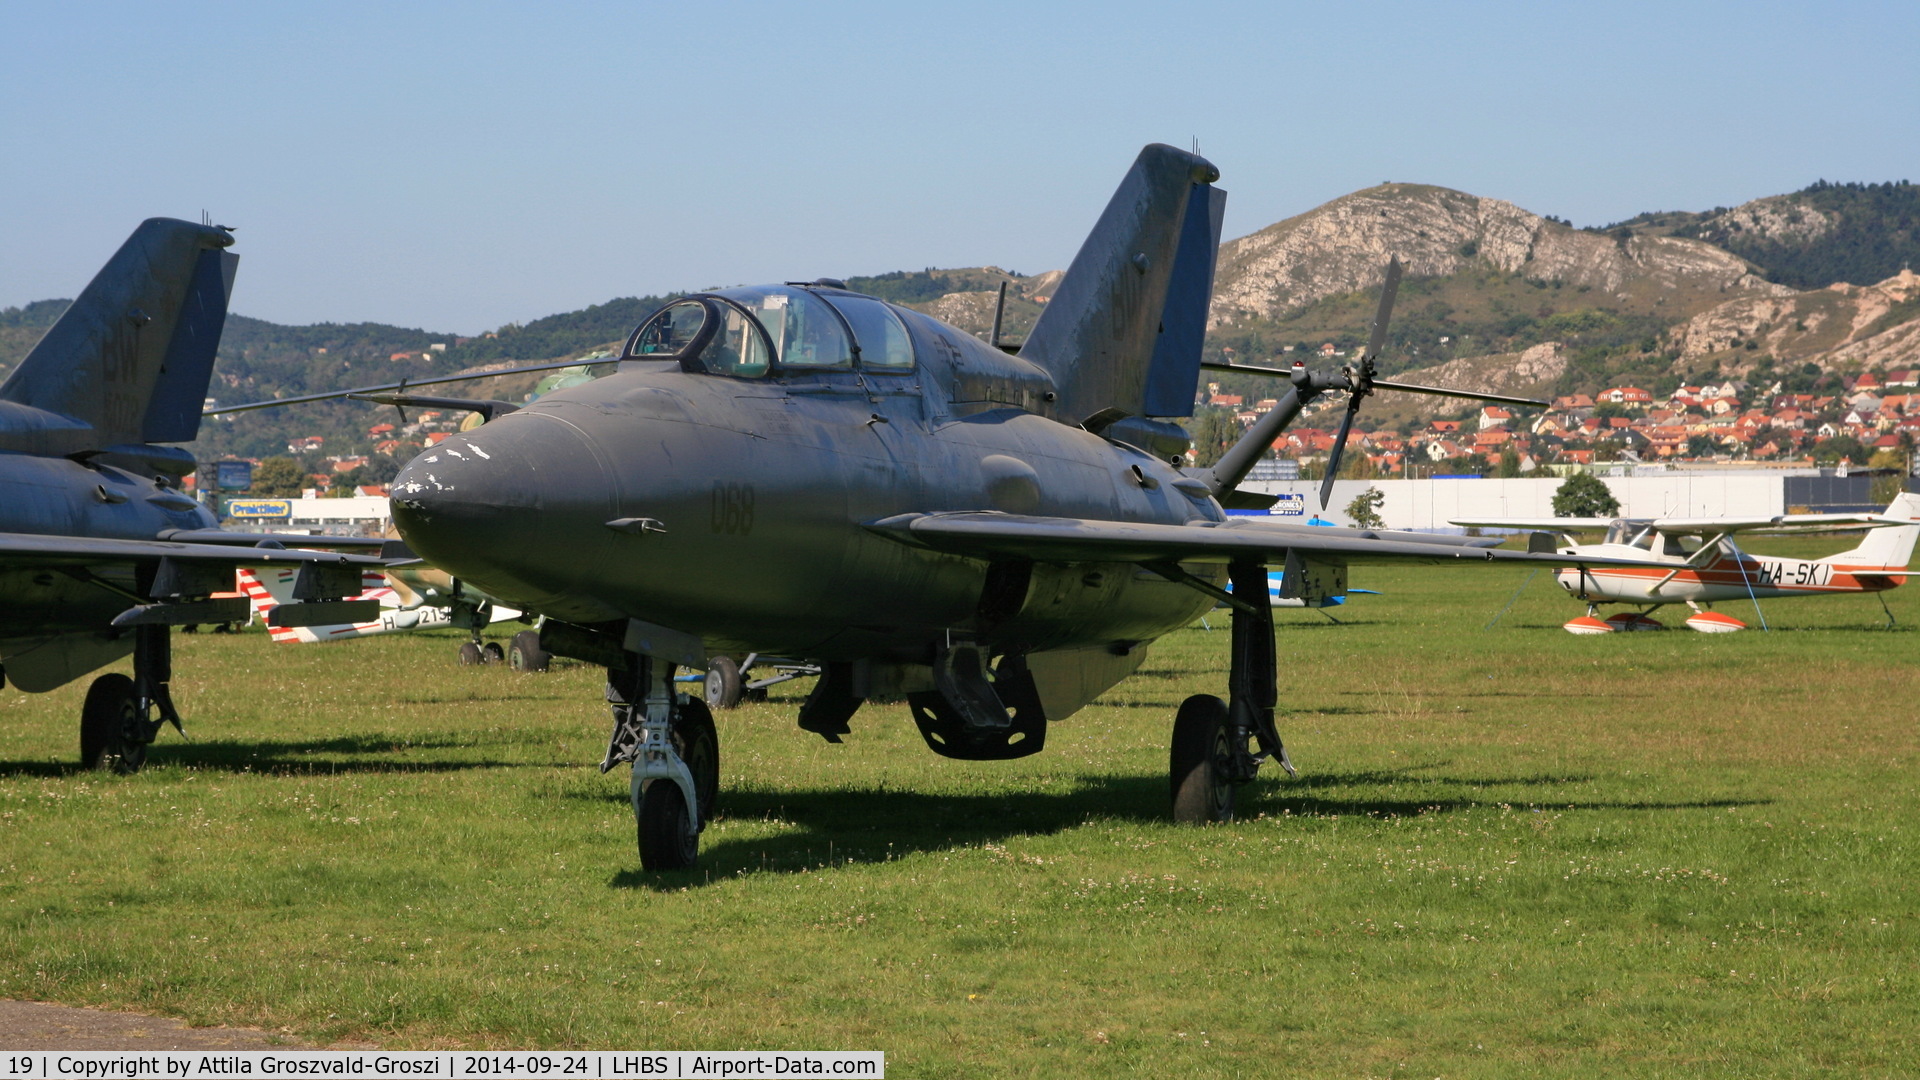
pixel 671 742
pixel 668 840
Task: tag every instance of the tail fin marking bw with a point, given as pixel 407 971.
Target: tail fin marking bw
pixel 128 363
pixel 1124 329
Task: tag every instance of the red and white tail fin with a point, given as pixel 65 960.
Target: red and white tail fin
pixel 268 587
pixel 253 584
pixel 1888 547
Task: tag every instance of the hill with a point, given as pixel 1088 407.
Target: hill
pixel 1812 238
pixel 1657 301
pixel 1791 288
pixel 260 360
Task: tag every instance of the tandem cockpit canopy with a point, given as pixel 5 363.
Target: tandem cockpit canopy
pixel 750 332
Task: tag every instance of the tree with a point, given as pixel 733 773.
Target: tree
pixel 278 478
pixel 1840 446
pixel 1212 431
pixel 1701 446
pixel 1509 464
pixel 1365 509
pixel 1584 495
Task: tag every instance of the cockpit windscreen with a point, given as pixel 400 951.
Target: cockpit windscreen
pixel 669 332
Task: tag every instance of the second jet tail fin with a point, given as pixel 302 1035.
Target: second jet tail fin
pixel 127 365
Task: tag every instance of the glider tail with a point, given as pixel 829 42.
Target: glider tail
pixel 268 587
pixel 1125 327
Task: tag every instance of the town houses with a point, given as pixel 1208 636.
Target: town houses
pixel 1855 417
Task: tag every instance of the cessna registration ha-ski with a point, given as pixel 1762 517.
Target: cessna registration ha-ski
pixel 995 535
pixel 101 551
pixel 1694 561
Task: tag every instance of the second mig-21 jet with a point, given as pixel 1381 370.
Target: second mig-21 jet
pixel 994 536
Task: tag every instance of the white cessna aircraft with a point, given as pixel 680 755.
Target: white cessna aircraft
pixel 1693 561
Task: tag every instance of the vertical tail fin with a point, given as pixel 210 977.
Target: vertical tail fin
pixel 1125 327
pixel 253 584
pixel 128 363
pixel 1892 545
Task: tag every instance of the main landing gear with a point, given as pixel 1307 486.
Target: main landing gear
pixel 728 683
pixel 118 721
pixel 675 751
pixel 1219 745
pixel 523 654
pixel 474 618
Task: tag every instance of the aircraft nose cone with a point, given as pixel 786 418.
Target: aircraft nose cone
pixel 513 507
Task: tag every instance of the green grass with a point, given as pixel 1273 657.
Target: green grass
pixel 1509 853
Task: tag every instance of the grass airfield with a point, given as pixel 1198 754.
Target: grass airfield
pixel 1510 852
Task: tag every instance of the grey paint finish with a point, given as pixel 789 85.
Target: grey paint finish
pixel 90 381
pixel 85 497
pixel 1097 335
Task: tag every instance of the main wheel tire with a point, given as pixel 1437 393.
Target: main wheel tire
pixel 697 742
pixel 470 654
pixel 1197 766
pixel 492 653
pixel 667 839
pixel 725 687
pixel 525 654
pixel 108 726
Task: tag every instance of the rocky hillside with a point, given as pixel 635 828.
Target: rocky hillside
pixel 1825 233
pixel 1437 232
pixel 1655 301
pixel 1841 328
pixel 966 297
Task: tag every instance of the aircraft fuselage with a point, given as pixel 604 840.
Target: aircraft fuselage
pixel 736 510
pixel 61 497
pixel 1730 576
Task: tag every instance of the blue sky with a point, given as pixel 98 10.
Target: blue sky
pixel 460 166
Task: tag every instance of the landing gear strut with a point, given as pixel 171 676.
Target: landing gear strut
pixel 117 722
pixel 1214 741
pixel 473 618
pixel 675 752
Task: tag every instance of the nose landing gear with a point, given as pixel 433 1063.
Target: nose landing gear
pixel 670 740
